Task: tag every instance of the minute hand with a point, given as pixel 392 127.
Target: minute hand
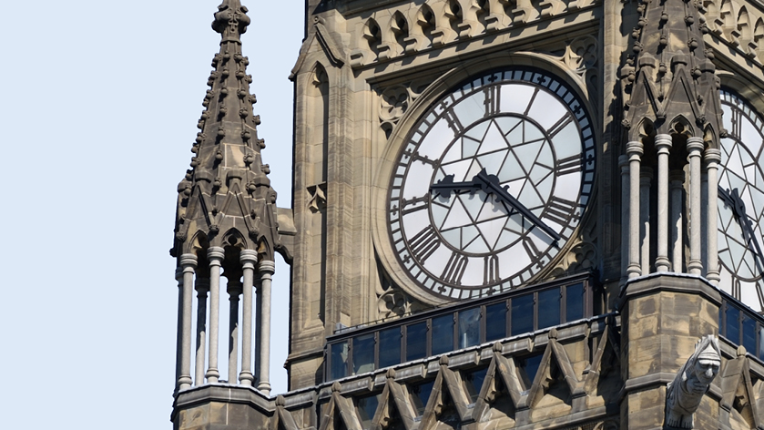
pixel 491 185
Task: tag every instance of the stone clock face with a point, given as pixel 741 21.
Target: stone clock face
pixel 490 183
pixel 741 202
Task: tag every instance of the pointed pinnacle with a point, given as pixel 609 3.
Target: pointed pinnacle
pixel 231 20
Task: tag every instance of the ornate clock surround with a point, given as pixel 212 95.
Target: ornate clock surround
pixel 440 87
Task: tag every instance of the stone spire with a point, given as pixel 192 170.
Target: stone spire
pixel 669 83
pixel 227 190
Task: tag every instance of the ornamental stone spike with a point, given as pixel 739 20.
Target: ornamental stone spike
pixel 670 79
pixel 227 187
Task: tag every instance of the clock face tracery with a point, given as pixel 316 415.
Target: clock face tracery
pixel 490 183
pixel 741 202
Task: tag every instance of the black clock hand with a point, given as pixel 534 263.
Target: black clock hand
pixel 446 186
pixel 490 184
pixel 733 200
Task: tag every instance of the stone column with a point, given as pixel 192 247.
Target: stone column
pixel 694 147
pixel 188 265
pixel 202 287
pixel 713 158
pixel 215 254
pixel 677 233
pixel 248 260
pixel 645 179
pixel 234 289
pixel 663 145
pixel 179 337
pixel 263 346
pixel 623 163
pixel 634 150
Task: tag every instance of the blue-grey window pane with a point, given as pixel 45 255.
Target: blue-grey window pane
pixel 416 341
pixel 732 326
pixel 442 334
pixel 363 354
pixel 522 314
pixel 367 407
pixel 749 333
pixel 495 321
pixel 549 308
pixel 474 382
pixel 389 347
pixel 420 395
pixel 528 368
pixel 339 352
pixel 574 302
pixel 469 327
pixel 761 344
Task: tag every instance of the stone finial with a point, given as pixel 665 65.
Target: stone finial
pixel 683 395
pixel 231 20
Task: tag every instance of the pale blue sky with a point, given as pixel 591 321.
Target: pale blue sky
pixel 99 108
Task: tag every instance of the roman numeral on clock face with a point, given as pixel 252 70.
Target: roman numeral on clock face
pixel 567 165
pixel 492 100
pixel 455 268
pixel 559 125
pixel 424 244
pixel 562 211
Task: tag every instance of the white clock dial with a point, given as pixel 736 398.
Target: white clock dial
pixel 741 203
pixel 490 183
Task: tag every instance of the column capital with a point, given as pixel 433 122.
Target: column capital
pixel 215 253
pixel 623 162
pixel 188 260
pixel 202 284
pixel 663 143
pixel 234 288
pixel 179 275
pixel 695 145
pixel 713 155
pixel 267 266
pixel 635 148
pixel 248 257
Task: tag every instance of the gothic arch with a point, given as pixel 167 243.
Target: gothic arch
pixel 399 26
pixel 373 35
pixel 233 238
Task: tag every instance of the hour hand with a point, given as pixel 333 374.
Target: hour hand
pixel 446 186
pixel 490 184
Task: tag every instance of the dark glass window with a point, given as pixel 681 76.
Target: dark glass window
pixel 527 368
pixel 363 353
pixel 416 341
pixel 442 334
pixel 495 321
pixel 732 326
pixel 390 347
pixel 549 308
pixel 420 394
pixel 574 302
pixel 473 381
pixel 749 334
pixel 367 407
pixel 469 327
pixel 522 314
pixel 339 352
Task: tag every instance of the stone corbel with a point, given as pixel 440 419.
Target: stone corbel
pixel 683 395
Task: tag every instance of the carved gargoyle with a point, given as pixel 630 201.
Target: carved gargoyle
pixel 683 395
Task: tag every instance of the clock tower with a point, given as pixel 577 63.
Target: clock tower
pixel 506 214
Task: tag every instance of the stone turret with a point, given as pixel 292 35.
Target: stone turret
pixel 227 219
pixel 227 190
pixel 672 118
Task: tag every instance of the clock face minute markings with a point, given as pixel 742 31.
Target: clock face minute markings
pixel 481 205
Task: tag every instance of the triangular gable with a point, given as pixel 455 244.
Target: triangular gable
pixel 737 390
pixel 340 411
pixel 282 419
pixel 544 380
pixel 333 50
pixel 393 399
pixel 447 389
pixel 495 377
